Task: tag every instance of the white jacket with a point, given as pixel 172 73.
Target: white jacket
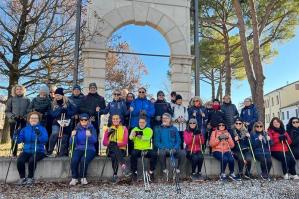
pixel 180 111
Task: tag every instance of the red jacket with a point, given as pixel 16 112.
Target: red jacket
pixel 277 145
pixel 193 142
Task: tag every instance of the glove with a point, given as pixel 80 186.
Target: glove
pixel 196 132
pixel 282 137
pixel 37 131
pixel 222 137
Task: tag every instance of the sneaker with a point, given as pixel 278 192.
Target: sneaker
pixel 294 177
pixel 247 176
pixel 151 176
pixel 22 181
pixel 29 181
pixel 51 155
pixel 194 177
pixel 125 171
pixel 115 179
pixel 84 181
pixel 165 174
pixel 286 176
pixel 200 177
pixel 73 182
pixel 134 177
pixel 232 176
pixel 265 176
pixel 222 176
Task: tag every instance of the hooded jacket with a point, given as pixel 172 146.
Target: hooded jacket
pixel 294 135
pixel 142 104
pixel 230 113
pixel 249 114
pixel 167 138
pixel 116 107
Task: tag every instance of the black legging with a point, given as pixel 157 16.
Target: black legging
pixel 28 157
pixel 117 156
pixel 248 157
pixel 196 160
pixel 289 165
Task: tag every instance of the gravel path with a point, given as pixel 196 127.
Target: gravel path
pixel 213 189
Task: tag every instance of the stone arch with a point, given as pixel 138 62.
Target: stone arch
pixel 118 13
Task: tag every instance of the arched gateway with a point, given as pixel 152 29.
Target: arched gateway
pixel 170 17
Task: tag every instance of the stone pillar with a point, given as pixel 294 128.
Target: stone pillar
pixel 181 79
pixel 94 69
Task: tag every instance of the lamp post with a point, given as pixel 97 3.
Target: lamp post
pixel 196 49
pixel 77 42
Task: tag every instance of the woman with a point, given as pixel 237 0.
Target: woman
pixel 280 150
pixel 293 131
pixel 194 140
pixel 261 143
pixel 221 143
pixel 34 136
pixel 197 111
pixel 116 139
pixel 16 110
pixel 83 138
pixel 241 150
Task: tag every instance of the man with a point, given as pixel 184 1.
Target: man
pixel 249 114
pixel 173 98
pixel 76 99
pixel 230 112
pixel 92 104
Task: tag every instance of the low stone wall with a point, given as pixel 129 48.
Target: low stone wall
pixel 58 168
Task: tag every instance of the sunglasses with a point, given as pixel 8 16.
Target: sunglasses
pixel 238 123
pixel 161 95
pixel 196 101
pixel 34 118
pixel 258 126
pixel 295 122
pixel 192 123
pixel 83 119
pixel 221 125
pixel 116 94
pixel 141 92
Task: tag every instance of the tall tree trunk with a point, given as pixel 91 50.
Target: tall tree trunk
pixel 213 83
pixel 227 65
pixel 219 92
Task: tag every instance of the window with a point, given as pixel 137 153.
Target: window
pixel 277 99
pixel 288 115
pixel 272 100
pixel 282 115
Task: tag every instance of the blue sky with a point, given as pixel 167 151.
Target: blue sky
pixel 144 39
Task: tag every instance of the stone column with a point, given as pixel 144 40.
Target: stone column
pixel 94 69
pixel 181 80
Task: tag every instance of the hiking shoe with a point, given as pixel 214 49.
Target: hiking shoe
pixel 247 176
pixel 22 181
pixel 84 181
pixel 222 176
pixel 51 155
pixel 232 176
pixel 294 177
pixel 30 181
pixel 286 176
pixel 165 174
pixel 265 176
pixel 194 177
pixel 199 177
pixel 134 177
pixel 74 182
pixel 115 179
pixel 125 171
pixel 151 176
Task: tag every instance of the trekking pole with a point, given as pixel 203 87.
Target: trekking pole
pixel 291 151
pixel 37 134
pixel 231 153
pixel 100 137
pixel 204 162
pixel 265 159
pixel 284 155
pixel 11 154
pixel 176 178
pixel 253 156
pixel 104 165
pixel 245 162
pixel 62 122
pixel 85 151
pixel 268 142
pixel 145 174
pixel 222 155
pixel 71 152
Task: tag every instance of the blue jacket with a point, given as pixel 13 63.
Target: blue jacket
pixel 69 112
pixel 167 138
pixel 257 145
pixel 27 136
pixel 80 138
pixel 116 108
pixel 198 110
pixel 249 114
pixel 141 104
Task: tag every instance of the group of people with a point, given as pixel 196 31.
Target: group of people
pixel 143 128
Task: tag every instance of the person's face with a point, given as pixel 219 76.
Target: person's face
pixel 116 95
pixel 161 96
pixel 52 93
pixel 84 122
pixel 226 99
pixel 295 123
pixel 276 124
pixel 259 127
pixel 115 120
pixel 172 97
pixel 216 104
pixel 238 125
pixel 247 102
pixel 92 90
pixel 209 105
pixel 141 93
pixel 165 121
pixel 179 102
pixel 58 97
pixel 33 120
pixel 142 123
pixel 76 92
pixel 130 98
pixel 192 125
pixel 19 91
pixel 42 94
pixel 197 103
pixel 221 126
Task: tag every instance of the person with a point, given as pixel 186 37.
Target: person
pixel 249 114
pixel 83 138
pixel 92 103
pixel 293 131
pixel 172 98
pixel 34 136
pixel 209 108
pixel 129 99
pixel 116 140
pixel 161 107
pixel 261 143
pixel 62 110
pixel 16 110
pixel 76 99
pixel 52 92
pixel 153 100
pixel 141 106
pixel 280 150
pixel 116 107
pixel 216 115
pixel 143 145
pixel 241 151
pixel 180 117
pixel 230 112
pixel 222 143
pixel 194 140
pixel 198 111
pixel 167 141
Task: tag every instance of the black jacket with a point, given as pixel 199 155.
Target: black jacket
pixel 230 113
pixel 214 117
pixel 90 102
pixel 294 135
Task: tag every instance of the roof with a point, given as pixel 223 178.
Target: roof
pixel 295 82
pixel 292 104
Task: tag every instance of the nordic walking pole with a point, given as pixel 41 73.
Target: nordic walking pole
pixel 71 152
pixel 291 152
pixel 253 156
pixel 60 133
pixel 204 162
pixel 85 151
pixel 11 155
pixel 37 134
pixel 245 162
pixel 145 176
pixel 268 142
pixel 177 183
pixel 265 160
pixel 104 165
pixel 285 158
pixel 127 151
pixel 100 137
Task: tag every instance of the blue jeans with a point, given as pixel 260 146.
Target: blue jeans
pixel 227 159
pixel 78 159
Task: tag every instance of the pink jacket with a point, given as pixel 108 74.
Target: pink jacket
pixel 193 142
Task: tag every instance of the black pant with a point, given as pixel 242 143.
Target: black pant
pixel 196 160
pixel 28 157
pixel 182 139
pixel 54 138
pixel 130 143
pixel 96 126
pixel 14 126
pixel 163 153
pixel 265 164
pixel 117 156
pixel 247 156
pixel 151 154
pixel 288 166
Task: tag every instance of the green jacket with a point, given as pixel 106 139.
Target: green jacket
pixel 145 142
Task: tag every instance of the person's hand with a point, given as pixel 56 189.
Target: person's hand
pixel 158 118
pixel 133 133
pixel 282 137
pixel 222 137
pixel 131 109
pixel 237 138
pixel 74 133
pixel 268 138
pixel 203 114
pixel 92 119
pixel 194 114
pixel 76 117
pixel 88 133
pixel 98 109
pixel 260 137
pixel 247 135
